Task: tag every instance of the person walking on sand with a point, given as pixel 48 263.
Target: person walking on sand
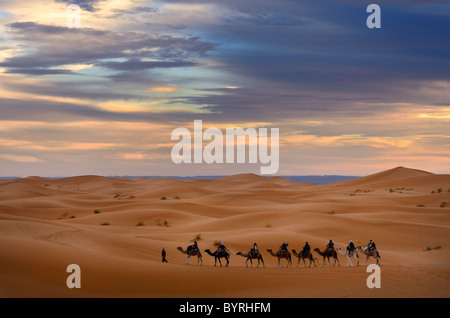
pixel 163 254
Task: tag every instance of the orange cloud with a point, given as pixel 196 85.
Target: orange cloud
pixel 163 89
pixel 17 158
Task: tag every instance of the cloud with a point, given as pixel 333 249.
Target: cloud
pixel 133 11
pixel 163 89
pixel 37 71
pixel 338 91
pixel 137 64
pixel 89 5
pixel 17 158
pixel 55 46
pixel 87 91
pixel 53 111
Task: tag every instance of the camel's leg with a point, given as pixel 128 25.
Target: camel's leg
pixel 260 259
pixel 349 261
pixel 357 258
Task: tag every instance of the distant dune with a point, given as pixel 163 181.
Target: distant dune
pixel 324 179
pixel 115 228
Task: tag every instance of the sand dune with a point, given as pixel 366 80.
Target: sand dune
pixel 115 228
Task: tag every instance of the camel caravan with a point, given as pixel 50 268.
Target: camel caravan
pixel 330 252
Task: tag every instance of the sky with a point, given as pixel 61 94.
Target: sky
pixel 104 98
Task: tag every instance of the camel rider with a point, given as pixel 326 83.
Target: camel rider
pixel 254 250
pixel 351 247
pixel 284 246
pixel 222 247
pixel 370 246
pixel 194 246
pixel 330 245
pixel 306 248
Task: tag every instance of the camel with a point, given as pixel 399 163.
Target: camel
pixel 302 255
pixel 218 255
pixel 190 253
pixel 251 256
pixel 282 254
pixel 353 253
pixel 328 253
pixel 374 253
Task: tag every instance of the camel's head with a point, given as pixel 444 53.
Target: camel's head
pixel 316 249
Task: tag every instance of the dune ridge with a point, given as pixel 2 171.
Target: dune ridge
pixel 115 228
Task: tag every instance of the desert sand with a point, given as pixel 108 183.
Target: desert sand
pixel 115 228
